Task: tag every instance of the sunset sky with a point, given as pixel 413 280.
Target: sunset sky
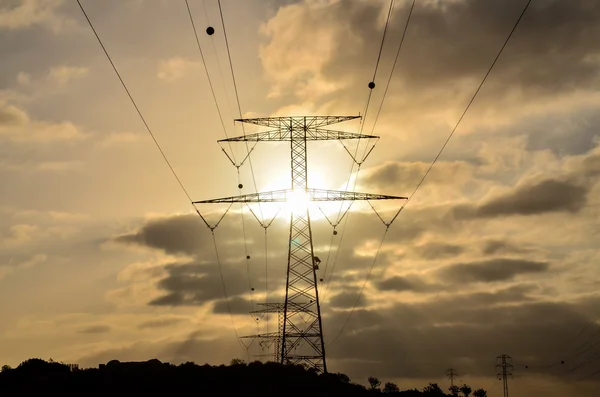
pixel 102 256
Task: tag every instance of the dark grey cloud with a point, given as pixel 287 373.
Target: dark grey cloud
pixel 531 198
pixel 235 305
pixel 347 299
pixel 96 329
pixel 503 247
pixel 183 234
pixel 548 195
pixel 408 283
pixel 404 176
pixel 501 269
pixel 421 340
pixel 161 323
pixel 196 283
pixel 438 250
pixel 549 52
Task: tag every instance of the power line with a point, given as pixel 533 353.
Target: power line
pixel 212 90
pixel 372 82
pixel 229 142
pixel 237 98
pixel 163 155
pixel 133 102
pixel 212 231
pixel 387 86
pixel 362 288
pixel 470 102
pixel 362 125
pixel 447 140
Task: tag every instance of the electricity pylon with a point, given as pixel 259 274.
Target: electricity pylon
pixel 451 375
pixel 302 325
pixel 269 339
pixel 504 367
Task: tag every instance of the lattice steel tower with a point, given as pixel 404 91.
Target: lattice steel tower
pixel 302 296
pixel 504 367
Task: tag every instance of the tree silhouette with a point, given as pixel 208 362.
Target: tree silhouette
pixel 479 393
pixel 374 382
pixel 237 361
pixel 391 388
pixel 36 377
pixel 465 390
pixel 343 377
pixel 433 389
pixel 454 390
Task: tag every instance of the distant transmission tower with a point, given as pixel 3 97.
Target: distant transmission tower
pixel 302 325
pixel 451 375
pixel 268 339
pixel 504 367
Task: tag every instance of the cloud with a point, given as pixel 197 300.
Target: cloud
pixel 404 176
pixel 491 247
pixel 530 198
pixel 61 75
pixel 236 305
pixel 493 270
pixel 290 66
pixel 96 329
pixel 175 68
pixel 407 341
pixel 196 283
pixel 438 250
pixel 171 350
pixel 11 115
pixel 23 78
pixel 33 261
pixel 18 14
pixel 120 138
pixel 162 322
pixel 445 54
pixel 21 233
pixel 175 235
pixel 16 126
pixel 408 283
pixel 347 300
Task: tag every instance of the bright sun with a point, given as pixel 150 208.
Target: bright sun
pixel 298 200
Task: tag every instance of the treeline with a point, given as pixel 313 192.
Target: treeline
pixel 153 378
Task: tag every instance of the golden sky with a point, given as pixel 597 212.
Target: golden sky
pixel 101 257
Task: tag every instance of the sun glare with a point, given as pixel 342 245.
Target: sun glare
pixel 297 201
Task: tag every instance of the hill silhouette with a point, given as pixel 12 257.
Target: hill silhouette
pixel 154 378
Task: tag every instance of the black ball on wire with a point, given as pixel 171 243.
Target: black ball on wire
pixel 210 30
pixel 372 85
pixel 247 256
pixel 252 289
pixel 240 186
pixel 335 232
pixel 321 280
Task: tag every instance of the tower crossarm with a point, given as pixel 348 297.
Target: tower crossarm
pixel 278 307
pixel 297 121
pixel 282 196
pixel 276 335
pixel 285 135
